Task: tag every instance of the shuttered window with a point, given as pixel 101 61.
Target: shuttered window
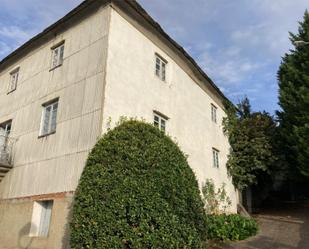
pixel 57 55
pixel 49 118
pixel 215 155
pixel 13 80
pixel 214 113
pixel 45 218
pixel 41 218
pixel 5 129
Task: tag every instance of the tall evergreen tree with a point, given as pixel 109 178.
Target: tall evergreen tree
pixel 251 138
pixel 293 78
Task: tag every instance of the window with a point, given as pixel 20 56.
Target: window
pixel 5 128
pixel 41 216
pixel 214 113
pixel 161 67
pixel 215 155
pixel 49 118
pixel 13 80
pixel 159 120
pixel 57 55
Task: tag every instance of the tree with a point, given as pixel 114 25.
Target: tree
pixel 137 191
pixel 293 78
pixel 251 139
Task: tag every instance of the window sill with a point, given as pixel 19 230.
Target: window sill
pixel 38 238
pixel 53 68
pixel 46 135
pixel 11 91
pixel 159 78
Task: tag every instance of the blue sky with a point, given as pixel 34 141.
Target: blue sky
pixel 238 43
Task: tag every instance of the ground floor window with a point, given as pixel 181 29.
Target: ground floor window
pixel 41 217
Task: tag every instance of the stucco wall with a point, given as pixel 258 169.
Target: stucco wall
pixel 103 48
pixel 54 163
pixel 15 223
pixel 133 90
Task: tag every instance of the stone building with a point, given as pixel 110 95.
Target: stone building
pixel 61 90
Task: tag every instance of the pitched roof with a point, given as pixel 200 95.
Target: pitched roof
pixel 85 4
pixel 140 10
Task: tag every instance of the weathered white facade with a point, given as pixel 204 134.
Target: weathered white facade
pixel 108 71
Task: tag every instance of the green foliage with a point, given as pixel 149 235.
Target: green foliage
pixel 230 227
pixel 137 191
pixel 251 136
pixel 221 226
pixel 215 201
pixel 293 78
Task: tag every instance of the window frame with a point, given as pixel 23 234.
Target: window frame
pixel 46 105
pixel 5 135
pixel 161 67
pixel 13 80
pixel 60 55
pixel 7 124
pixel 41 218
pixel 214 113
pixel 161 122
pixel 215 158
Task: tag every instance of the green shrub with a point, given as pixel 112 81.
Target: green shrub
pixel 215 201
pixel 137 191
pixel 230 227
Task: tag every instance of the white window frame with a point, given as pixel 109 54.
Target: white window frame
pixel 41 218
pixel 6 127
pixel 160 121
pixel 14 75
pixel 5 130
pixel 214 112
pixel 49 120
pixel 160 67
pixel 215 157
pixel 57 55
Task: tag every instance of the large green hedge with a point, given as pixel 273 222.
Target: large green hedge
pixel 137 191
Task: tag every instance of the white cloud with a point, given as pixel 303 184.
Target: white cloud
pixel 232 51
pixel 15 33
pixel 4 49
pixel 227 65
pixel 21 20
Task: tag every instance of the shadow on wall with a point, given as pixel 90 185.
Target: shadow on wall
pixel 66 236
pixel 27 242
pixel 24 241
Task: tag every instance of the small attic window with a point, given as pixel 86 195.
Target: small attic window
pixel 57 55
pixel 13 80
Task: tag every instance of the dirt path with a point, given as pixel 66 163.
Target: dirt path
pixel 284 227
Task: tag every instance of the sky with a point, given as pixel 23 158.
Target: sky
pixel 238 43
